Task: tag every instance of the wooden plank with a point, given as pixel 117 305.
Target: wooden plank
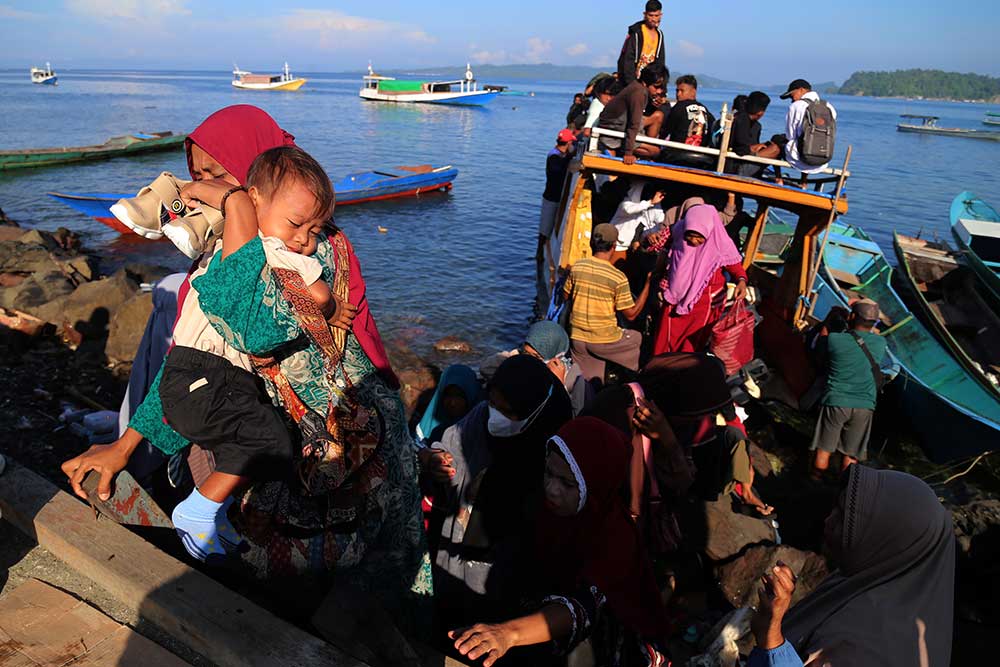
pixel 203 614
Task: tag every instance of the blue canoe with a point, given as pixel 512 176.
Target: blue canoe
pixel 976 227
pixel 356 188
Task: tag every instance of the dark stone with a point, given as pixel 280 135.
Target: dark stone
pixel 452 344
pixel 38 289
pixel 727 532
pixel 417 377
pixel 90 308
pixel 5 221
pixel 128 326
pixel 145 273
pixel 977 532
pixel 740 578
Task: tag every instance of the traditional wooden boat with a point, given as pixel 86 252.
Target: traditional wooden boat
pixel 250 81
pixel 991 118
pixel 929 126
pixel 356 188
pixel 956 304
pixel 976 227
pixel 130 144
pixel 460 91
pixel 44 76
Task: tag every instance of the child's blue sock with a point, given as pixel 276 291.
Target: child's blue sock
pixel 201 524
pixel 231 540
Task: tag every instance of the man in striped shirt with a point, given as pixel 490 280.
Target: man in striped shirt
pixel 598 292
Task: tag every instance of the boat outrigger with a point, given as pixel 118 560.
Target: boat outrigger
pixel 380 88
pixel 250 81
pixel 130 144
pixel 928 125
pixel 44 76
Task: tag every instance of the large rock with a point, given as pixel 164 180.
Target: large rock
pixel 36 290
pixel 127 327
pixel 417 377
pixel 453 344
pixel 740 578
pixel 727 533
pixel 91 307
pixel 977 532
pixel 39 252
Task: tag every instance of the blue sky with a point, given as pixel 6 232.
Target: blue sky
pixel 752 41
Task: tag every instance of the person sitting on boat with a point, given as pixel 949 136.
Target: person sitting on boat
pixel 556 165
pixel 801 93
pixel 625 112
pixel 689 122
pixel 853 380
pixel 644 45
pixel 745 136
pixel 638 213
pixel 605 90
pixel 597 291
pixel 576 110
pixel 891 600
pixel 587 573
pixel 694 288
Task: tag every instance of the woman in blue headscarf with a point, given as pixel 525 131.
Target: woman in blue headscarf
pixel 457 391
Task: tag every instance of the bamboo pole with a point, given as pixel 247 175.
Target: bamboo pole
pixel 826 237
pixel 727 120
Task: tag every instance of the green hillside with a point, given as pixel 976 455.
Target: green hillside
pixel 928 83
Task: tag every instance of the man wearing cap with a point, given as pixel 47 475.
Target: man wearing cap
pixel 853 382
pixel 556 165
pixel 801 93
pixel 643 45
pixel 597 291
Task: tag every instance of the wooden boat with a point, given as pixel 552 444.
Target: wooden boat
pixel 388 89
pixel 250 81
pixel 352 189
pixel 991 118
pixel 130 144
pixel 929 126
pixel 956 304
pixel 976 227
pixel 44 76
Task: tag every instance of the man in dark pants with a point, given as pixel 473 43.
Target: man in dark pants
pixel 848 404
pixel 644 45
pixel 625 114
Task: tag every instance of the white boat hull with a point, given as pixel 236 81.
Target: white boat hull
pixel 470 97
pixel 294 84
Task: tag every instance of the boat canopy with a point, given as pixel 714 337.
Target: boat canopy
pixel 910 115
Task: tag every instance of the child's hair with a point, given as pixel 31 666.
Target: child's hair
pixel 277 166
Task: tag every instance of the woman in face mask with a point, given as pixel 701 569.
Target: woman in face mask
pixel 497 454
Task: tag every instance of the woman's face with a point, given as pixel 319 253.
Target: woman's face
pixel 499 401
pixel 204 167
pixel 833 529
pixel 562 493
pixel 693 239
pixel 454 403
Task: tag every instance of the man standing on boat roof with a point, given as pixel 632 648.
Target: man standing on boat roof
pixel 644 44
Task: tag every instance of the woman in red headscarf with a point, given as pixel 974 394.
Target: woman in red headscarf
pixel 589 560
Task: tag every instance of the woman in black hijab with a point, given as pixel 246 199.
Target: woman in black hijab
pixel 891 602
pixel 498 458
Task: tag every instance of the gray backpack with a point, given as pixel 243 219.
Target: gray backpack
pixel 819 130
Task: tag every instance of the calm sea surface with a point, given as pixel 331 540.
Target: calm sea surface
pixel 458 263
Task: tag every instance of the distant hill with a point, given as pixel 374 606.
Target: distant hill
pixel 927 83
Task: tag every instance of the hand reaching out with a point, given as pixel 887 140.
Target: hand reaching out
pixel 773 600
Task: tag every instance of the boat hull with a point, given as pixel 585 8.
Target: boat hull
pixel 474 98
pixel 986 260
pixel 949 131
pixel 294 84
pixel 46 81
pixel 96 205
pixel 117 147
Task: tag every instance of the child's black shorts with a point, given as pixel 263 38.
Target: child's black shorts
pixel 225 410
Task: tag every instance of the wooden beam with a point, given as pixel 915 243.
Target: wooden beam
pixel 756 234
pixel 200 612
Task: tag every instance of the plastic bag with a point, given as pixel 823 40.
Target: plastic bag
pixel 732 338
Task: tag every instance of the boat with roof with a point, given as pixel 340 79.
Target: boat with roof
pixel 928 125
pixel 250 81
pixel 44 76
pixel 464 91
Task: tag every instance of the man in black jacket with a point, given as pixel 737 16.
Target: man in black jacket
pixel 644 44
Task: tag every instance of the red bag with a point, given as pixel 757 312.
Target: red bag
pixel 732 337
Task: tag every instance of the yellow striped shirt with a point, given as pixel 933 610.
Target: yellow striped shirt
pixel 597 291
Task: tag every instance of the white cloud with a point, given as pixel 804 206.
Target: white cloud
pixel 577 49
pixel 537 48
pixel 129 9
pixel 690 49
pixel 333 28
pixel 607 60
pixel 8 12
pixel 484 57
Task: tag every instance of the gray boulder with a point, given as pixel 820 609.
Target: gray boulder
pixel 127 327
pixel 727 533
pixel 740 578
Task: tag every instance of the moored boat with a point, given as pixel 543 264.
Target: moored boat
pixel 44 76
pixel 991 118
pixel 250 81
pixel 956 304
pixel 352 189
pixel 130 144
pixel 928 125
pixel 464 91
pixel 976 227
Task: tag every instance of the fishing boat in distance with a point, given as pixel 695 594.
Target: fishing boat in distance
pixel 44 76
pixel 129 144
pixel 355 188
pixel 928 125
pixel 250 81
pixel 463 91
pixel 976 227
pixel 991 118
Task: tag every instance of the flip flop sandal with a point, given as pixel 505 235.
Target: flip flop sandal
pixel 154 206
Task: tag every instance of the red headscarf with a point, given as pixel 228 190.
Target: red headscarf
pixel 600 545
pixel 235 136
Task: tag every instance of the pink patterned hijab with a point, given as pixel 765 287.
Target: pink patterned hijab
pixel 691 268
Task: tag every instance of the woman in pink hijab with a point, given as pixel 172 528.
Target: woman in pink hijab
pixel 695 291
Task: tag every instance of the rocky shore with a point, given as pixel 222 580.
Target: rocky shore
pixel 68 334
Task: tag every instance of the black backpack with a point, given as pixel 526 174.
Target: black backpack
pixel 819 131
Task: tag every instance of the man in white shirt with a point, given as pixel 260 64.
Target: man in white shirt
pixel 635 212
pixel 800 92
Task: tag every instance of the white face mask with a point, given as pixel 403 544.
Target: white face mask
pixel 500 425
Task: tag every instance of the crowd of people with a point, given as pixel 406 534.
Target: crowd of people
pixel 544 505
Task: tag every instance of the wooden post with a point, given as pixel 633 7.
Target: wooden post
pixel 753 241
pixel 727 120
pixel 826 237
